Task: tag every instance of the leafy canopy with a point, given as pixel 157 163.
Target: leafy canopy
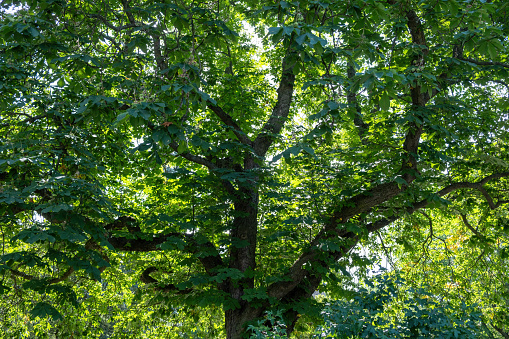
pixel 231 154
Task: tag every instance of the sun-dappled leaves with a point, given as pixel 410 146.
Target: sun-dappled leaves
pixel 180 168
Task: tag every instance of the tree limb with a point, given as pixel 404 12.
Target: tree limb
pixel 362 127
pixel 280 112
pixel 467 224
pixel 485 63
pixel 446 190
pixel 161 63
pixel 333 229
pixel 229 121
pixel 500 330
pixel 127 10
pixel 211 261
pixel 63 277
pixel 187 155
pixel 147 279
pixel 113 27
pixel 22 275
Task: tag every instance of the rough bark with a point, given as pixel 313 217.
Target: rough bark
pixel 280 112
pixel 243 258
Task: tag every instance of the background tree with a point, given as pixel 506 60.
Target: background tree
pixel 233 153
pixel 462 257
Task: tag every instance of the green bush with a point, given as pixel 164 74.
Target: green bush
pixel 385 308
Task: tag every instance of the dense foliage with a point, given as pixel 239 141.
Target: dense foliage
pixel 192 165
pixel 385 309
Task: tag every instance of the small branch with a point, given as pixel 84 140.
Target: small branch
pixel 113 27
pixel 387 254
pixel 485 63
pixel 89 245
pixel 500 330
pixel 353 104
pixel 193 158
pixel 145 275
pixel 198 160
pixel 128 13
pixel 503 83
pixel 29 120
pixel 186 155
pixel 147 279
pixel 22 275
pixel 467 224
pixel 63 277
pixel 425 244
pixel 202 161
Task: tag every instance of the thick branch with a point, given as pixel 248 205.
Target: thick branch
pixel 493 176
pixel 413 136
pixel 500 330
pixel 211 261
pixel 333 229
pixel 228 120
pixel 280 112
pixel 22 275
pixel 128 13
pixel 161 63
pixel 446 190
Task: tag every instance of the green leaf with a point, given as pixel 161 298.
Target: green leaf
pixel 274 30
pixel 182 147
pixel 121 116
pixel 4 289
pixel 178 114
pixel 318 48
pixel 173 243
pixel 400 181
pixel 301 39
pixel 71 234
pixel 43 310
pixel 35 33
pixel 385 102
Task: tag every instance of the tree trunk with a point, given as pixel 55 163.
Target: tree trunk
pixel 236 320
pixel 243 257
